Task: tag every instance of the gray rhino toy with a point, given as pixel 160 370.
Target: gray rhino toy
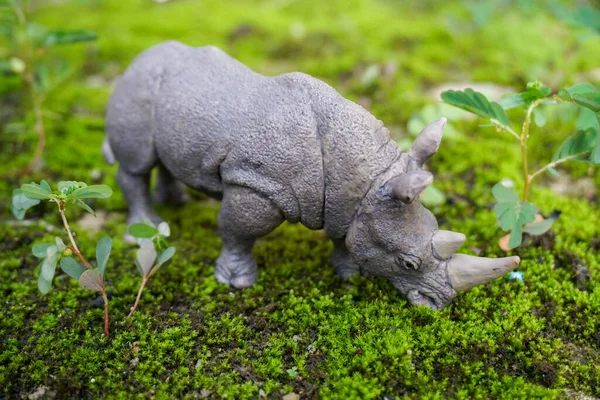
pixel 284 148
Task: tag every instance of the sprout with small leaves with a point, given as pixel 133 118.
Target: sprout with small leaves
pixel 517 215
pixel 152 254
pixel 68 192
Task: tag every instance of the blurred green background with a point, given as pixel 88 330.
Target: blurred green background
pixel 301 329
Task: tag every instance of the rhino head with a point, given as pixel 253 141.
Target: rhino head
pixel 394 236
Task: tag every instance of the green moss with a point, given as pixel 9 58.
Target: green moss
pixel 300 328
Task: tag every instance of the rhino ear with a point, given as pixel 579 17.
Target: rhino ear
pixel 428 141
pixel 408 186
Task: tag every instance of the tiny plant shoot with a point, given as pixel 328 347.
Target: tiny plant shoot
pixel 68 192
pixel 517 214
pixel 27 44
pixel 152 254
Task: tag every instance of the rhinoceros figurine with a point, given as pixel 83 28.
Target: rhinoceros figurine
pixel 284 148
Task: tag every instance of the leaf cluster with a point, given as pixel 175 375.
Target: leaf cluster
pixel 583 145
pixel 150 257
pixel 153 252
pixel 30 195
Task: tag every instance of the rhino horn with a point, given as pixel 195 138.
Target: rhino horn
pixel 428 141
pixel 445 243
pixel 466 272
pixel 408 186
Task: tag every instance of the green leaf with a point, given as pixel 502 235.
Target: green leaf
pixel 595 156
pixel 34 191
pixel 137 266
pixel 506 214
pixel 44 285
pixel 81 203
pixel 103 249
pixel 516 236
pixel 581 88
pixel 58 37
pixel 44 185
pixel 145 257
pixel 165 255
pixel 512 101
pixel 21 203
pixel 539 117
pixel 162 259
pixel 164 229
pixel 553 172
pixel 583 94
pixel 538 90
pixel 49 265
pixel 587 119
pixel 476 103
pixel 60 245
pixel 72 267
pixel 47 269
pixel 159 242
pixel 511 212
pixel 504 194
pixel 527 213
pixel 93 192
pixel 142 231
pixel 39 250
pixel 588 100
pixel 91 280
pixel 539 228
pixel 18 213
pixel 67 187
pixel 581 142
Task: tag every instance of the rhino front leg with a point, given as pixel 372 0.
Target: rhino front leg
pixel 135 188
pixel 342 260
pixel 244 216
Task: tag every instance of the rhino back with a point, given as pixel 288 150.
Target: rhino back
pixel 219 123
pixel 130 126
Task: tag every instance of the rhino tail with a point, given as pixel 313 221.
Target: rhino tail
pixel 107 152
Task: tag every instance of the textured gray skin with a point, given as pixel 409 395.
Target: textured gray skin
pixel 274 149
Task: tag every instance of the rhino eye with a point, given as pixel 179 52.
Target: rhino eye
pixel 407 262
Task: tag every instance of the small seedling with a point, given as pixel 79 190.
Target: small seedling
pixel 69 192
pixel 152 254
pixel 514 214
pixel 26 56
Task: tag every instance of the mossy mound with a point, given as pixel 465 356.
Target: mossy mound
pixel 300 329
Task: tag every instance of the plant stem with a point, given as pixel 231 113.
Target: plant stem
pixel 139 295
pixel 36 98
pixel 18 12
pixel 505 128
pixel 524 156
pixel 39 127
pixel 75 249
pixel 105 298
pixel 525 168
pixel 553 164
pixel 61 209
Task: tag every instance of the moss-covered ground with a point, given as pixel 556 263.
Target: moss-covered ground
pixel 300 329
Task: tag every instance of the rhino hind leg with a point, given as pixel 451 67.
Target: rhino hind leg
pixel 135 189
pixel 342 260
pixel 244 216
pixel 169 190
